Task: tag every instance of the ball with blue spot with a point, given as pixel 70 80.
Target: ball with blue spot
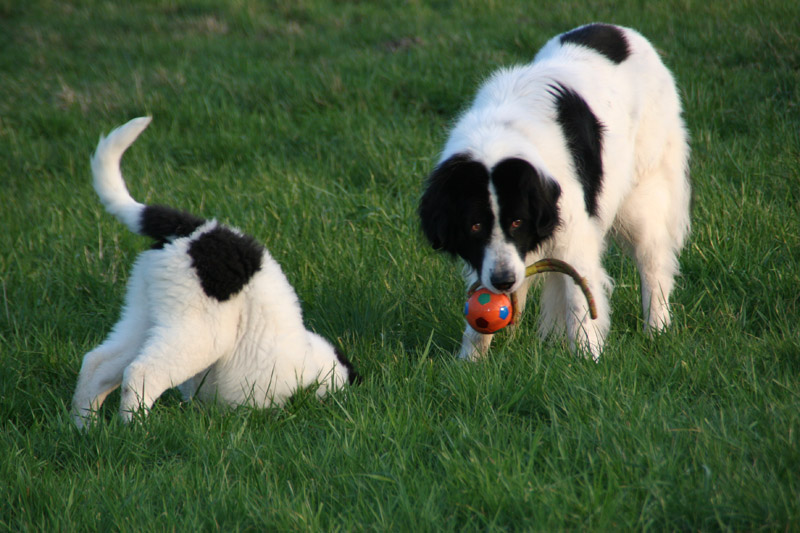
pixel 488 312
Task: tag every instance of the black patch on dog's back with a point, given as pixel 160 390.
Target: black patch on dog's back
pixel 225 261
pixel 583 133
pixel 603 38
pixel 165 223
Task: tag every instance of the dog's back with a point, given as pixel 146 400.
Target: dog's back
pixel 618 74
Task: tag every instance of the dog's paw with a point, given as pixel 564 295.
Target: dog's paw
pixel 82 419
pixel 658 321
pixel 469 354
pixel 474 345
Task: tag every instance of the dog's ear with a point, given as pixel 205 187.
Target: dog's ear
pixel 442 204
pixel 433 207
pixel 544 203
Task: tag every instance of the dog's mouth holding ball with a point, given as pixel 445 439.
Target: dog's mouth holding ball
pixel 488 312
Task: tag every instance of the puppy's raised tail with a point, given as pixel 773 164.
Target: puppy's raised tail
pixel 158 222
pixel 108 181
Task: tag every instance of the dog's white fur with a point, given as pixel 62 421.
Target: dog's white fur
pixel 250 349
pixel 645 195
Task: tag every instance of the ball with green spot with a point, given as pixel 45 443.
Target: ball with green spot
pixel 488 312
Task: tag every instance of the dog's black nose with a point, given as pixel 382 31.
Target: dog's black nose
pixel 503 280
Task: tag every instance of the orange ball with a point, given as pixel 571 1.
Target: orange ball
pixel 488 311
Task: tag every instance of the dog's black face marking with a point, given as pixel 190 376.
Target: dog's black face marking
pixel 225 261
pixel 603 38
pixel 353 377
pixel 528 203
pixel 454 210
pixel 583 134
pixel 163 223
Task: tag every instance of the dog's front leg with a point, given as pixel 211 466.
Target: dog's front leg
pixel 585 334
pixel 474 344
pixel 518 299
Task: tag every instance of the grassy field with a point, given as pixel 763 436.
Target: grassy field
pixel 312 127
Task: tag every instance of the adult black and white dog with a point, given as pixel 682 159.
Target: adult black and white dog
pixel 207 309
pixel 551 158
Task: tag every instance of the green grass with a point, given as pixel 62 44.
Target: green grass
pixel 312 128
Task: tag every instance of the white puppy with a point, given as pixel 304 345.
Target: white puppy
pixel 551 158
pixel 207 309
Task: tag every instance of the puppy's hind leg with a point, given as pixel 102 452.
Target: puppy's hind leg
pixel 102 368
pixel 176 351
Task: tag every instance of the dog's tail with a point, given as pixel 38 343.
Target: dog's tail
pixel 108 181
pixel 158 222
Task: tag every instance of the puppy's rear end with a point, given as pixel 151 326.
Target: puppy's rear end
pixel 192 302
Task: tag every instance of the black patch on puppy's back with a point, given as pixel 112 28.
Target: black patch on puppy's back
pixel 603 38
pixel 163 224
pixel 225 261
pixel 583 134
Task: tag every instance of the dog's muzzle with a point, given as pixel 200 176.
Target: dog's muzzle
pixel 503 280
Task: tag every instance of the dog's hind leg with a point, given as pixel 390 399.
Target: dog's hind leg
pixel 657 269
pixel 101 373
pixel 654 219
pixel 102 368
pixel 654 222
pixel 178 348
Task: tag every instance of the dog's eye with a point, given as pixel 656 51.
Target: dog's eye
pixel 475 227
pixel 516 224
